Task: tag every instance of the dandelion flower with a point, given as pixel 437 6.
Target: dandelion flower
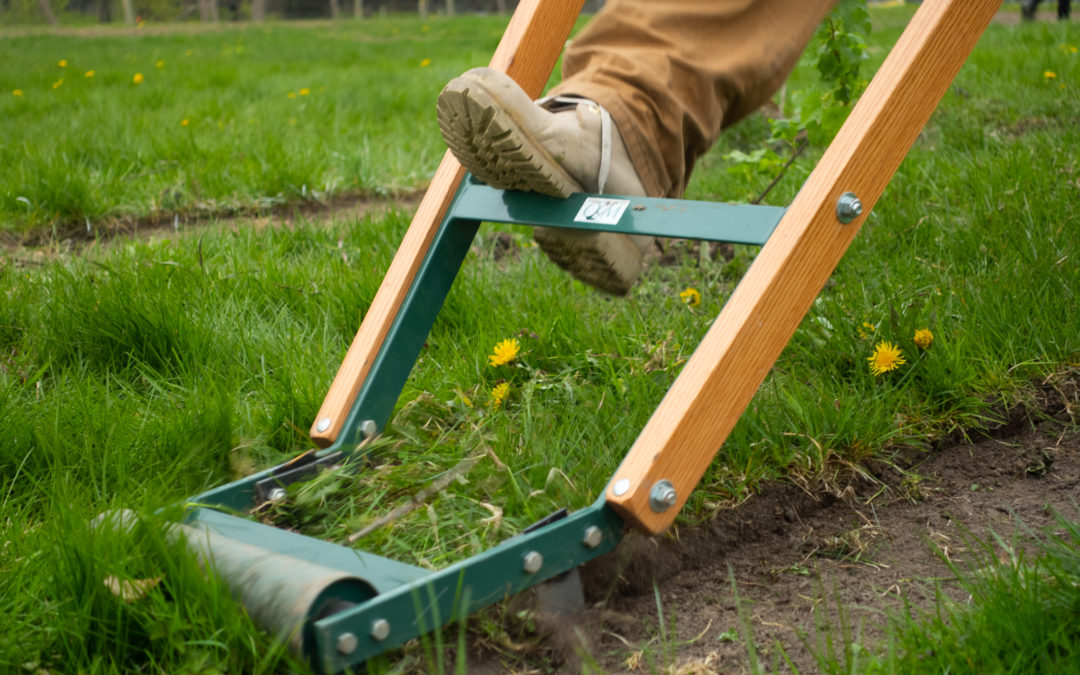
pixel 866 329
pixel 923 338
pixel 1049 74
pixel 17 92
pixel 62 63
pixel 691 296
pixel 184 122
pixel 305 91
pixel 160 64
pixel 89 73
pixel 137 78
pixel 56 85
pixel 498 394
pixel 425 63
pixel 290 95
pixel 886 357
pixel 505 352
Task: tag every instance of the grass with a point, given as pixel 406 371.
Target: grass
pixel 146 370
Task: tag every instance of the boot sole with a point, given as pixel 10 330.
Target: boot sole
pixel 488 140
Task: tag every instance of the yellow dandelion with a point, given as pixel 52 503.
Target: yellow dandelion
pixel 505 352
pixel 58 83
pixel 886 357
pixel 866 329
pixel 17 92
pixel 290 95
pixel 425 63
pixel 1068 49
pixel 184 122
pixel 498 394
pixel 1049 74
pixel 305 91
pixel 62 63
pixel 160 64
pixel 89 73
pixel 923 338
pixel 137 78
pixel 691 296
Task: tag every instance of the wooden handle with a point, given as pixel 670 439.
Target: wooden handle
pixel 718 382
pixel 527 52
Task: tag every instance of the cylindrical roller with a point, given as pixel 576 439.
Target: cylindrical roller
pixel 283 594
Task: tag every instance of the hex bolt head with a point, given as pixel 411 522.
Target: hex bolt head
pixel 380 630
pixel 347 643
pixel 662 496
pixel 322 425
pixel 533 562
pixel 848 208
pixel 369 428
pixel 621 486
pixel 593 536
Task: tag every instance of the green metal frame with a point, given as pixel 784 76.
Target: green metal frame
pixel 408 601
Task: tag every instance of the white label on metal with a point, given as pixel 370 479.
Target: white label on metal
pixel 602 211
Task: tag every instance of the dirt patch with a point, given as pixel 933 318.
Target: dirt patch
pixel 795 556
pixel 43 248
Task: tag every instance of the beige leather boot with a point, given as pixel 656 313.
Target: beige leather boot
pixel 555 146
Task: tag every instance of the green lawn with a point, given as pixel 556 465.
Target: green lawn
pixel 146 370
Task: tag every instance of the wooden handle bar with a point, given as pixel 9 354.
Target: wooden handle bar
pixel 718 382
pixel 527 52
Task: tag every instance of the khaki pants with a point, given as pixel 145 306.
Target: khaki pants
pixel 673 73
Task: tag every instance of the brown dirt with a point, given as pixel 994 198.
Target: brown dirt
pixel 795 556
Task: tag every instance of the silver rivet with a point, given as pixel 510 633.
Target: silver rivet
pixel 368 428
pixel 276 494
pixel 380 630
pixel 347 643
pixel 593 536
pixel 322 425
pixel 662 496
pixel 533 562
pixel 848 208
pixel 621 486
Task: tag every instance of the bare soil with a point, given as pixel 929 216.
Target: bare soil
pixel 794 555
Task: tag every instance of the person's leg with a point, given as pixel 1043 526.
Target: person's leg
pixel 673 73
pixel 1063 9
pixel 1028 8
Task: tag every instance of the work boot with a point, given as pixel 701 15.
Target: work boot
pixel 555 146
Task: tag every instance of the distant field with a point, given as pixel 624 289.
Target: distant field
pixel 112 125
pixel 139 371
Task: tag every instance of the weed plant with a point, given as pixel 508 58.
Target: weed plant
pixel 141 371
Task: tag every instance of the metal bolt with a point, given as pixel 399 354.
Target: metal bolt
pixel 380 630
pixel 322 425
pixel 347 643
pixel 533 562
pixel 276 494
pixel 368 428
pixel 662 497
pixel 621 486
pixel 593 536
pixel 848 208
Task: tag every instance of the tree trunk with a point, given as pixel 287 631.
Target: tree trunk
pixel 335 10
pixel 258 10
pixel 422 9
pixel 129 12
pixel 500 6
pixel 449 7
pixel 358 9
pixel 47 12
